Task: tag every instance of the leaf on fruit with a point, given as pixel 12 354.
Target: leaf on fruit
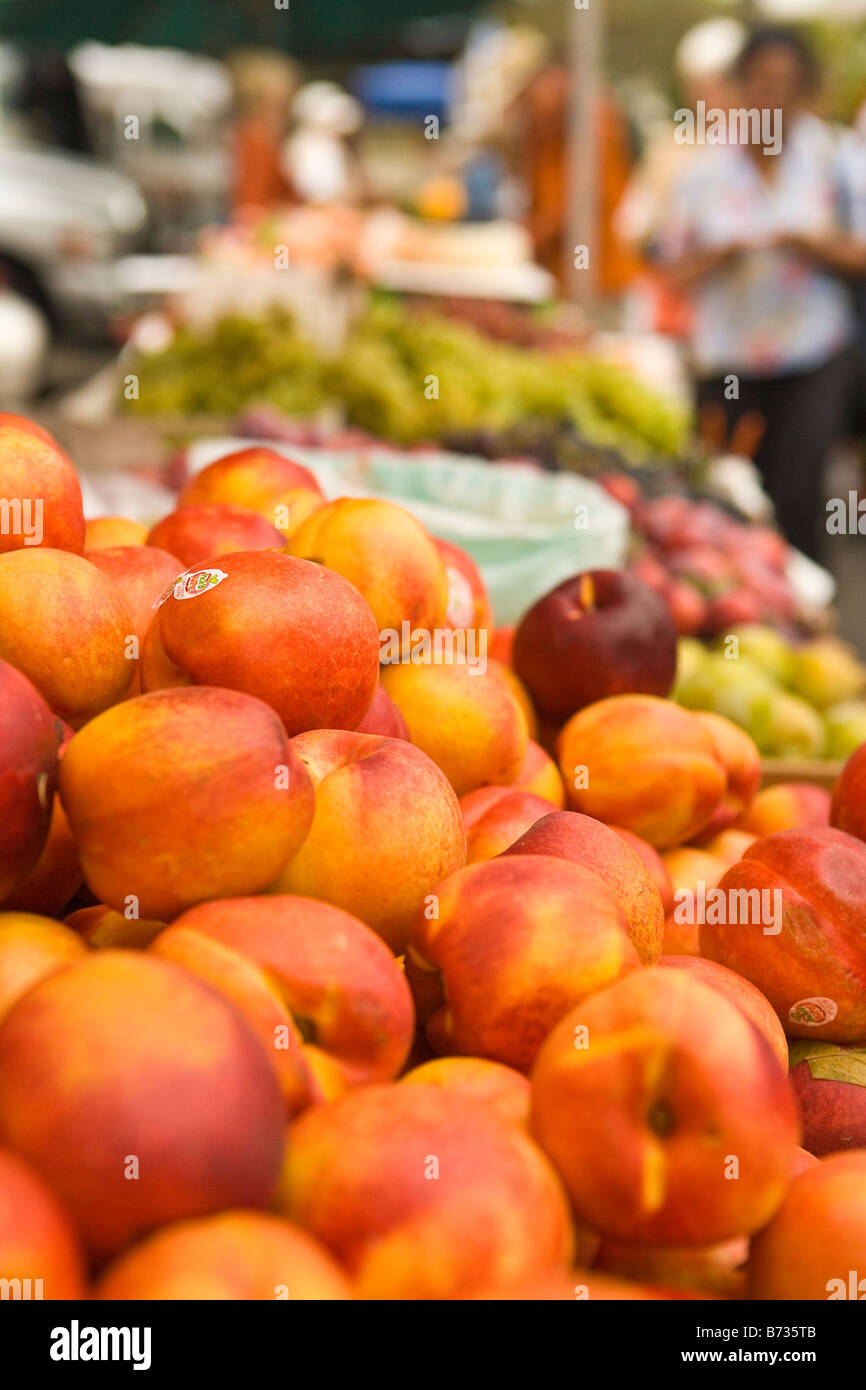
pixel 830 1061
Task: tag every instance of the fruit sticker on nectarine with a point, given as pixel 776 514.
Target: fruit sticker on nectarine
pixel 190 585
pixel 461 600
pixel 812 1013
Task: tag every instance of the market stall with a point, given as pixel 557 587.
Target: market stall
pixel 432 785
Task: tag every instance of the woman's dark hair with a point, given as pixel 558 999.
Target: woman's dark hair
pixel 761 41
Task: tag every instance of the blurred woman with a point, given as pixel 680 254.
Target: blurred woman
pixel 768 240
pixel 542 115
pixel 703 63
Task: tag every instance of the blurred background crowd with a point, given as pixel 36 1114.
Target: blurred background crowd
pixel 518 165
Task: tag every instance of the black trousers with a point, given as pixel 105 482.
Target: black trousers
pixel 805 415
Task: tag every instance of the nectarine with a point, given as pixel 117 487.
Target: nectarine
pixel 385 553
pixel 815 1246
pixel 29 738
pixel 793 924
pixel 41 493
pixel 63 623
pixel 569 835
pixel 313 981
pixel 291 633
pixel 197 533
pixel 509 946
pixel 38 1245
pixel 32 947
pixel 665 1112
pixel 184 795
pixel 423 1194
pixel 464 718
pixel 153 1100
pixel 235 1255
pixel 644 764
pixel 387 828
pixel 265 481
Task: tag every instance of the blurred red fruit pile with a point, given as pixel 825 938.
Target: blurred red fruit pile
pixel 714 570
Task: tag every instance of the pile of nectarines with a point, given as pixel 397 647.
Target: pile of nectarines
pixel 350 948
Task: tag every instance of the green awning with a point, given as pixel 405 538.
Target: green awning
pixel 309 28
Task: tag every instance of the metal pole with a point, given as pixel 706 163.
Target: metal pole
pixel 585 50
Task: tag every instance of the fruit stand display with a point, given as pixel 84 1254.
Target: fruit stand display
pixel 359 944
pixel 506 383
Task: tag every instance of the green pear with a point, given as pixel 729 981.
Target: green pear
pixel 795 729
pixel 764 646
pixel 736 688
pixel 827 672
pixel 846 728
pixel 691 655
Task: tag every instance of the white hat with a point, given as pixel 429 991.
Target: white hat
pixel 327 107
pixel 710 48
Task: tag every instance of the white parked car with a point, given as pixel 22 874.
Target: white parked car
pixel 24 343
pixel 65 220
